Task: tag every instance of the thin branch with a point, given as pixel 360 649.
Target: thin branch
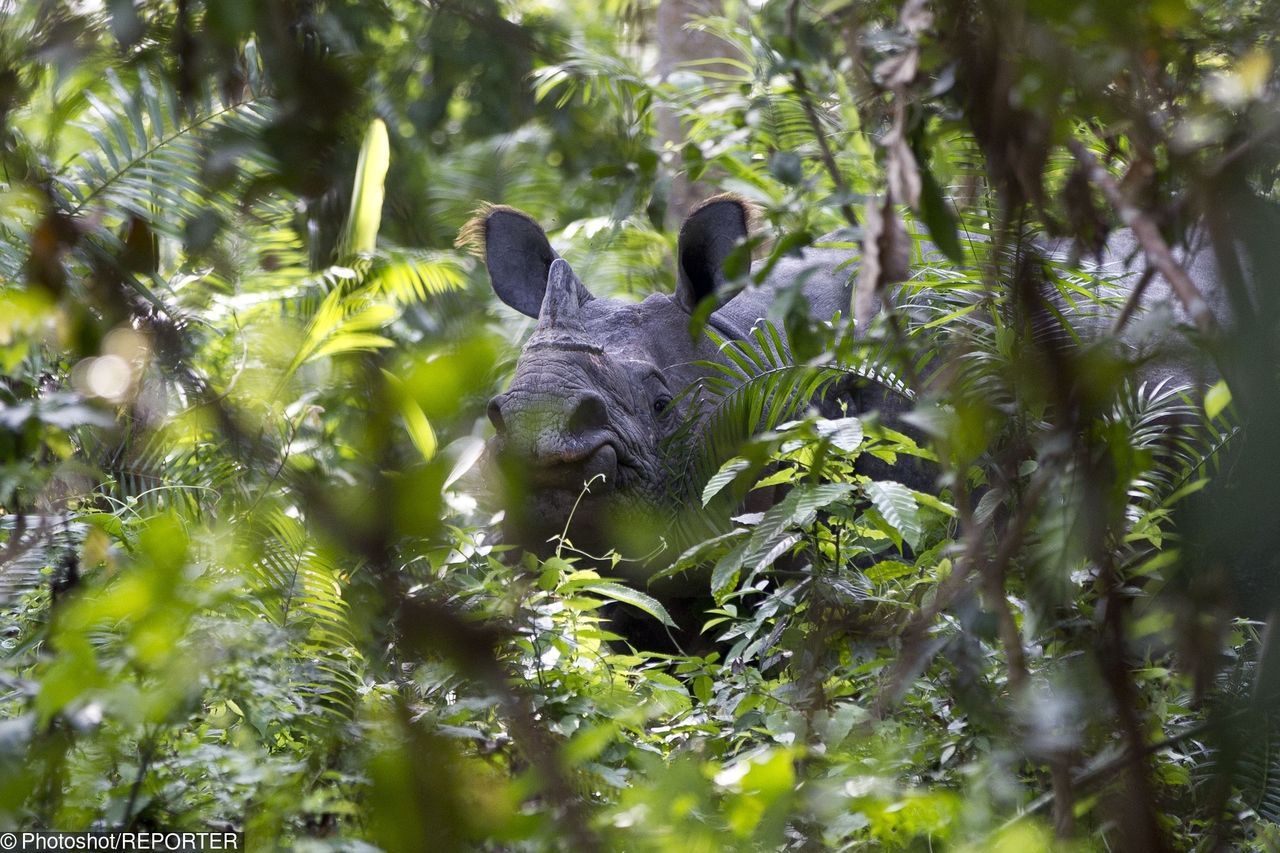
pixel 1063 795
pixel 1141 821
pixel 1106 770
pixel 1267 134
pixel 1135 299
pixel 1154 248
pixel 994 574
pixel 915 655
pixel 144 764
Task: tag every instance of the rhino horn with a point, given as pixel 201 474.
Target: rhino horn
pixel 562 300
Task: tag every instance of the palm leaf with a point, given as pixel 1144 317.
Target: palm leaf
pixel 757 387
pixel 300 588
pixel 28 554
pixel 151 153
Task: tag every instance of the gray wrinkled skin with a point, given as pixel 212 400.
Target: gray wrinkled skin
pixel 591 401
pixel 616 391
pixel 594 403
pixel 597 388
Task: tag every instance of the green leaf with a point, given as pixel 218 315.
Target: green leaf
pixel 934 502
pixel 415 420
pixel 553 568
pixel 361 232
pixel 887 570
pixel 465 453
pixel 346 341
pixel 937 215
pixel 700 553
pixel 844 433
pixel 588 742
pixel 728 471
pixel 797 510
pixel 344 322
pixel 780 477
pixel 1189 489
pixel 627 595
pixel 1217 398
pixel 724 577
pixel 898 505
pixel 107 522
pixel 412 276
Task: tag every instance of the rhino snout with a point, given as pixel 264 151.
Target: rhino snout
pixel 587 412
pixel 495 414
pixel 572 433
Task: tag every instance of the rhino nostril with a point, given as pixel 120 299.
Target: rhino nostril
pixel 590 413
pixel 495 414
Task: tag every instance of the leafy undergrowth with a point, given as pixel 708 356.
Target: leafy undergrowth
pixel 237 675
pixel 251 577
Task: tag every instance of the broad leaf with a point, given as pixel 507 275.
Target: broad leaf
pixel 898 505
pixel 627 595
pixel 723 477
pixel 797 510
pixel 361 233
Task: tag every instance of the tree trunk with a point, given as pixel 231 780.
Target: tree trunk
pixel 677 46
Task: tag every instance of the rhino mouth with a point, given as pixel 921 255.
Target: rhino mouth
pixel 579 498
pixel 597 470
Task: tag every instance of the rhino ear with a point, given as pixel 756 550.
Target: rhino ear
pixel 517 254
pixel 707 237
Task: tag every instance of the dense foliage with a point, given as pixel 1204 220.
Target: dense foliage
pixel 250 572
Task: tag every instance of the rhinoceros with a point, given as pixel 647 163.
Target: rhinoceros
pixel 597 390
pixel 582 434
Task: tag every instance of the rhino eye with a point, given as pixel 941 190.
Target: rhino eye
pixel 661 404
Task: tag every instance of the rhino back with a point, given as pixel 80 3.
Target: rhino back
pixel 825 275
pixel 1156 333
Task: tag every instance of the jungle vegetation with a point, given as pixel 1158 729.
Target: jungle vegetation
pixel 250 574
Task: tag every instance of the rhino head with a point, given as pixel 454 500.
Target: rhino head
pixel 582 435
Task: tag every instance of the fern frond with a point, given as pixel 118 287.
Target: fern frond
pixel 1166 426
pixel 596 76
pixel 755 389
pixel 28 554
pixel 405 276
pixel 151 154
pixel 171 468
pixel 300 588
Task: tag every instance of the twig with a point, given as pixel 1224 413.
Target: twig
pixel 586 488
pixel 1153 245
pixel 1265 135
pixel 994 574
pixel 1135 299
pixel 1010 542
pixel 144 763
pixel 1141 822
pixel 1107 769
pixel 913 656
pixel 1063 795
